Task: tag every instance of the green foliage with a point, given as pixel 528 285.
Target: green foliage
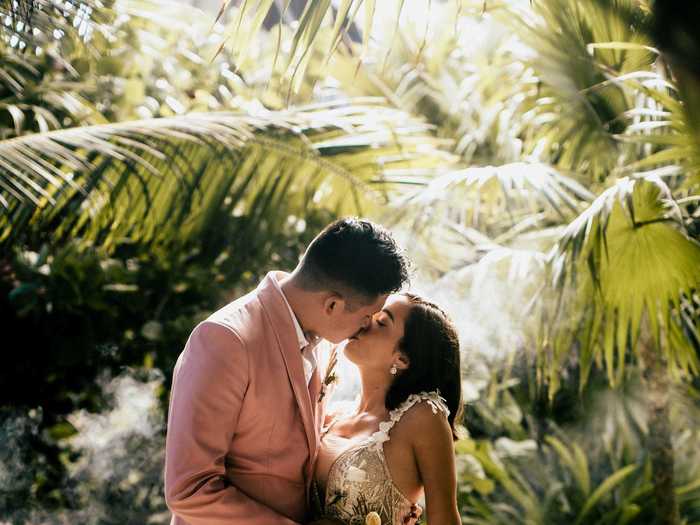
pixel 120 235
pixel 150 170
pixel 589 469
pixel 577 112
pixel 159 180
pixel 152 179
pixel 607 251
pixel 78 312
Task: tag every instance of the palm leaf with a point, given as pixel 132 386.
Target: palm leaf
pixel 130 180
pixel 574 118
pixel 495 199
pixel 611 261
pixel 307 30
pixel 673 132
pixel 575 461
pixel 604 488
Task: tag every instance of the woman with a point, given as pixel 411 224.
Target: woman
pixel 397 444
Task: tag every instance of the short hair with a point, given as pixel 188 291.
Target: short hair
pixel 355 258
pixel 431 344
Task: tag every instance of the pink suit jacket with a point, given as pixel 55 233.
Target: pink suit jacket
pixel 243 427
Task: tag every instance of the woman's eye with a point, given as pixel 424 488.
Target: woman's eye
pixel 380 323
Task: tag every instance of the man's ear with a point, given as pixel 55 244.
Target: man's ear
pixel 333 303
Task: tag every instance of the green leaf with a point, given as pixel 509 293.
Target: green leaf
pixel 604 489
pixel 161 180
pixel 575 462
pixel 62 430
pixel 617 241
pixel 627 46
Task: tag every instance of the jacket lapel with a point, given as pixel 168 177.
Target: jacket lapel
pixel 283 327
pixel 318 413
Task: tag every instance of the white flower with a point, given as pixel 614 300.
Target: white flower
pixel 356 474
pixel 379 437
pixel 385 426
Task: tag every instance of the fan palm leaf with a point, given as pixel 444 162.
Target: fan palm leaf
pixel 574 117
pixel 668 127
pixel 489 222
pixel 626 258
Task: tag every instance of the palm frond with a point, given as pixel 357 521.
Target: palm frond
pixel 158 179
pixel 462 73
pixel 626 258
pixel 33 101
pixel 320 25
pixel 496 198
pixel 576 114
pixel 667 126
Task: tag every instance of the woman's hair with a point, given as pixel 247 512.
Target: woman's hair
pixel 431 344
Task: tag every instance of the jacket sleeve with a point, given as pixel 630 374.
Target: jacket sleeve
pixel 209 383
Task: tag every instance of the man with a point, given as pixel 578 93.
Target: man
pixel 245 410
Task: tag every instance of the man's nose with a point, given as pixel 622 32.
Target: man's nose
pixel 366 322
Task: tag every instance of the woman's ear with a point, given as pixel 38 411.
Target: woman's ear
pixel 402 361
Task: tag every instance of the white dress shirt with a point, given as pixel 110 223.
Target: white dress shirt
pixel 309 356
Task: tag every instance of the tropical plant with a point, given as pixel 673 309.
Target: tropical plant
pixel 147 195
pixel 606 112
pixel 545 149
pixel 522 464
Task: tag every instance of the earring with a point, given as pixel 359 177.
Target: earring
pixel 393 370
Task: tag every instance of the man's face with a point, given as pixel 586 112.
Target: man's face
pixel 343 323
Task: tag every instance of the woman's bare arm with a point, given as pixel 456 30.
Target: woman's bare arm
pixel 433 449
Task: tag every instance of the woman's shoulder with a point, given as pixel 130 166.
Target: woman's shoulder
pixel 421 413
pixel 421 403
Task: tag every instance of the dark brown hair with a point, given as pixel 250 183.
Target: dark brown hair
pixel 431 344
pixel 355 257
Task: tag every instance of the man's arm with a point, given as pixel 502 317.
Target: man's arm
pixel 209 384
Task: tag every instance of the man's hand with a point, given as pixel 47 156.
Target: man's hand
pixel 414 515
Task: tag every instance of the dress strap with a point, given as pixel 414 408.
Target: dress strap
pixel 436 402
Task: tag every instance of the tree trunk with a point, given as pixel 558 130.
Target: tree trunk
pixel 659 443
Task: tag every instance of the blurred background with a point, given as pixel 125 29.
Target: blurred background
pixel 539 161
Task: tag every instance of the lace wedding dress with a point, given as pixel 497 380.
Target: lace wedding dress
pixel 359 481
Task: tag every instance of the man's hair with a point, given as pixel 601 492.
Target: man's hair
pixel 355 258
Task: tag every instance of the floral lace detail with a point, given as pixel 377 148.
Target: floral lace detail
pixel 436 402
pixel 359 480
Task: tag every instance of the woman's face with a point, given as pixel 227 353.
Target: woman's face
pixel 376 347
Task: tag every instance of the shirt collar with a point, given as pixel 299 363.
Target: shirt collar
pixel 301 338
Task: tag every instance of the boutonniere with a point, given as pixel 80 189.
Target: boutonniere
pixel 330 377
